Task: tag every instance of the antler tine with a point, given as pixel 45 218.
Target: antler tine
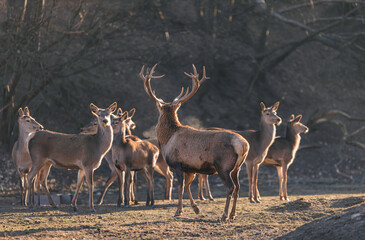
pixel 195 71
pixel 195 82
pixel 204 77
pixel 147 82
pixel 181 93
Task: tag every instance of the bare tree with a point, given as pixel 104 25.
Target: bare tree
pixel 44 41
pixel 338 24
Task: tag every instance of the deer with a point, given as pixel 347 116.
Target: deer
pixel 260 141
pixel 83 152
pixel 203 181
pixel 20 154
pixel 283 151
pixel 161 165
pixel 130 154
pixel 92 128
pixel 189 151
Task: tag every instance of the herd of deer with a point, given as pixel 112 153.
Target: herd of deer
pixel 183 149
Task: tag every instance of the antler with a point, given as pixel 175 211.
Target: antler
pixel 196 84
pixel 147 85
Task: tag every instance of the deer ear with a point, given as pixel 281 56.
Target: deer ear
pixel 20 112
pixel 94 109
pixel 275 106
pixel 291 117
pixel 262 106
pixel 131 112
pixel 119 112
pixel 298 118
pixel 26 111
pixel 124 116
pixel 112 107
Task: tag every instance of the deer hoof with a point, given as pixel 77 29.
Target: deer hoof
pixel 232 217
pixel 258 201
pixel 252 201
pixel 178 213
pixel 224 218
pixel 92 210
pixel 282 198
pixel 75 208
pixel 211 198
pixel 195 208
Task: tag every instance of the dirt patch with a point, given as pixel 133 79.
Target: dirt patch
pixel 348 225
pixel 297 205
pixel 348 202
pixel 272 219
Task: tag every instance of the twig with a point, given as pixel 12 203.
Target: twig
pixel 341 173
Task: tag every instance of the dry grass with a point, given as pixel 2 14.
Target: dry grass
pixel 268 220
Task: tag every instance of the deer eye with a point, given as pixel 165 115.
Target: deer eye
pixel 27 120
pixel 267 114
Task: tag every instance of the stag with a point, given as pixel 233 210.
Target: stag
pixel 189 151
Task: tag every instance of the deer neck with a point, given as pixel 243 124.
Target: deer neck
pixel 105 137
pixel 293 138
pixel 168 124
pixel 24 138
pixel 267 133
pixel 123 133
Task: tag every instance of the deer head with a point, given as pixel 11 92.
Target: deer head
pixel 268 115
pixel 103 115
pixel 26 122
pixel 295 126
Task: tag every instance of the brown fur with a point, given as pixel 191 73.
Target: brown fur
pixel 282 153
pixel 161 165
pixel 135 155
pixel 189 151
pixel 20 153
pixel 74 151
pixel 259 141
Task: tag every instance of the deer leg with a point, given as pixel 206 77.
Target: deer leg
pixel 227 180
pixel 38 190
pixel 148 174
pixel 22 178
pixel 127 183
pixel 89 176
pixel 33 188
pixel 133 188
pixel 44 172
pixel 234 176
pixel 80 180
pixel 189 177
pixel 256 194
pixel 207 188
pixel 249 168
pixel 181 181
pixel 169 182
pixel 152 185
pixel 145 175
pixel 200 188
pixel 121 178
pixel 279 169
pixel 109 182
pixel 285 181
pixel 30 180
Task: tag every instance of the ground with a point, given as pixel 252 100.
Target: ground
pixel 315 211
